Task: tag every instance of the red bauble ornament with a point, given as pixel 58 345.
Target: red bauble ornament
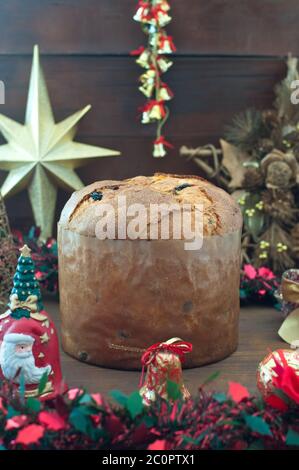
pixel 278 377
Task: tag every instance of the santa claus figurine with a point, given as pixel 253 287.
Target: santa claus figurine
pixel 29 344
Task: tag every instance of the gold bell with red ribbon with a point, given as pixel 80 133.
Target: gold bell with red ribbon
pixel 148 82
pixel 144 59
pixel 166 45
pixel 159 150
pixel 147 88
pixel 164 63
pixel 142 12
pixel 153 111
pixel 163 362
pixel 165 93
pixel 159 147
pixel 160 16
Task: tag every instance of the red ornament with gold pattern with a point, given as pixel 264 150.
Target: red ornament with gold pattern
pixel 29 343
pixel 278 378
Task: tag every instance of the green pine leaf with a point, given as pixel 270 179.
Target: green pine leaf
pixel 220 397
pixel 149 421
pixel 11 412
pixel 134 404
pixel 85 398
pixel 33 404
pixel 258 424
pixel 292 438
pixel 79 420
pixel 211 378
pixel 43 382
pixel 173 390
pixel 119 397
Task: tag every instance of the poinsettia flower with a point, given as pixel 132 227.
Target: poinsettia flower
pixel 30 434
pixel 250 271
pixel 266 273
pixel 159 444
pixel 16 422
pixel 74 393
pixel 52 420
pixel 97 397
pixel 237 391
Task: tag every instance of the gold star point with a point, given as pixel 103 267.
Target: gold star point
pixel 41 155
pixel 25 251
pixel 44 338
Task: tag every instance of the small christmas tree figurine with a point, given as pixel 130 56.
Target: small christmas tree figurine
pixel 25 296
pixel 8 256
pixel 29 344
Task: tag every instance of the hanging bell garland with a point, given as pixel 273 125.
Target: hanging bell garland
pixel 154 16
pixel 163 362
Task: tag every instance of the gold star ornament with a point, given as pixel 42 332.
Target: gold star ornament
pixel 41 155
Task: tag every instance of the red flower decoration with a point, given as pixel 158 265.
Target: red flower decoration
pixel 250 271
pixel 159 444
pixel 30 434
pixel 52 420
pixel 237 391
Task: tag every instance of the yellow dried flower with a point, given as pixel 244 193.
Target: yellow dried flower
pixel 250 212
pixel 260 205
pixel 264 244
pixel 281 247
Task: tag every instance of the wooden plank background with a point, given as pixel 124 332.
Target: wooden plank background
pixel 230 55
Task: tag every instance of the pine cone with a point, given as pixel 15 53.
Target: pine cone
pixel 270 118
pixel 253 179
pixel 279 205
pixel 265 146
pixel 279 175
pixel 279 169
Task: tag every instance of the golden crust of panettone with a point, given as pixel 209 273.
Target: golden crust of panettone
pixel 221 213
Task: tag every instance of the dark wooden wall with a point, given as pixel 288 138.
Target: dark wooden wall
pixel 230 54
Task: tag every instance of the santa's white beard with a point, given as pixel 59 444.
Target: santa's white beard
pixel 13 363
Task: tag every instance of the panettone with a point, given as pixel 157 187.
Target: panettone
pixel 118 296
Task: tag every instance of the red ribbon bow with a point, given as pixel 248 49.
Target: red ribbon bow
pixel 168 39
pixel 162 140
pixel 150 104
pixel 138 51
pixel 286 380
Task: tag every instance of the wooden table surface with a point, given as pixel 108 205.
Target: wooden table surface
pixel 258 335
